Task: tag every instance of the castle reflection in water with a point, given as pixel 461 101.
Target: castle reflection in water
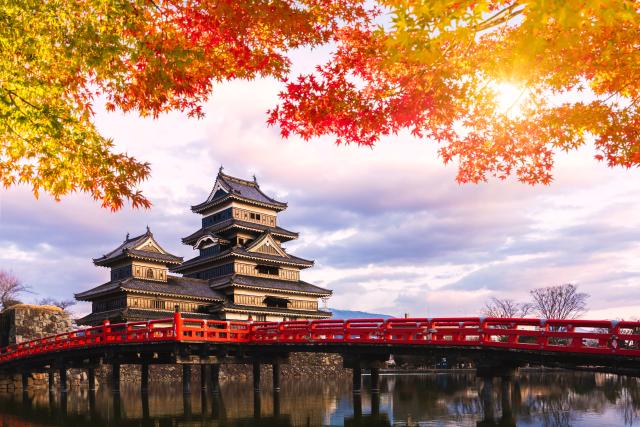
pixel 531 399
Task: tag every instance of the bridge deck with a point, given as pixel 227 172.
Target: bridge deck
pixel 588 339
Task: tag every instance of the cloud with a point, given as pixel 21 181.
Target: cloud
pixel 389 228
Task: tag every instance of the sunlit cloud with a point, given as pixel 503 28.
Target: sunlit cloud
pixel 389 228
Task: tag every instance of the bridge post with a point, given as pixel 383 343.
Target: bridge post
pixel 276 404
pixel 257 404
pixel 186 379
pixel 204 376
pixel 357 378
pixel 375 380
pixel 145 405
pixel 375 403
pixel 92 404
pixel 52 385
pixel 487 401
pixel 187 408
pixel 256 376
pixel 64 404
pixel 357 405
pixel 25 380
pixel 144 377
pixel 115 377
pixel 506 390
pixel 117 407
pixel 91 377
pixel 63 378
pixel 276 376
pixel 215 378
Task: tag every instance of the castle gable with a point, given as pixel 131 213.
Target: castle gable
pixel 266 244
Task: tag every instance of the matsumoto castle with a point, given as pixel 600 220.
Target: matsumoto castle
pixel 241 271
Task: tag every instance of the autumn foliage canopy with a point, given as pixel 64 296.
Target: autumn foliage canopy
pixel 431 67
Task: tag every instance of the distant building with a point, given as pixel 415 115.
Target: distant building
pixel 241 271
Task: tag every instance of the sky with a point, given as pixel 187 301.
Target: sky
pixel 389 228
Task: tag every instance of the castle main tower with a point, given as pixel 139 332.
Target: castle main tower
pixel 240 253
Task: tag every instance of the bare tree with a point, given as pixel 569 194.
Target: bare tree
pixel 559 302
pixel 62 303
pixel 505 308
pixel 10 288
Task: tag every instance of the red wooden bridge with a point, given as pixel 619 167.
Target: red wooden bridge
pixel 494 345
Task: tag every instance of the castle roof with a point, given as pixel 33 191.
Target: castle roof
pixel 249 309
pixel 220 227
pixel 243 281
pixel 175 286
pixel 142 247
pixel 228 187
pixel 133 314
pixel 240 252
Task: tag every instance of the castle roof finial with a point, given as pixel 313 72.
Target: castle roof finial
pixel 148 230
pixel 127 237
pixel 255 180
pixel 221 169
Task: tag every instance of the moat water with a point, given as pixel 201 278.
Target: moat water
pixel 532 399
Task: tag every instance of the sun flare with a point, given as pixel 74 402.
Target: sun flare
pixel 509 98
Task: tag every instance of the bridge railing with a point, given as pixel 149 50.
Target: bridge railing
pixel 578 336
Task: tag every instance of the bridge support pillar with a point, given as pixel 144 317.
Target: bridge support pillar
pixel 375 380
pixel 91 377
pixel 215 378
pixel 276 376
pixel 115 378
pixel 186 379
pixel 487 400
pixel 63 379
pixel 117 407
pixel 375 404
pixel 204 376
pixel 357 378
pixel 276 404
pixel 506 390
pixel 25 380
pixel 144 397
pixel 52 385
pixel 256 376
pixel 144 377
pixel 357 405
pixel 257 404
pixel 187 408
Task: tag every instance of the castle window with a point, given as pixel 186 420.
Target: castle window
pixel 160 305
pixel 276 302
pixel 149 273
pixel 255 216
pixel 267 269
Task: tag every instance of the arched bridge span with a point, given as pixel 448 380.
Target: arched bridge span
pixel 495 345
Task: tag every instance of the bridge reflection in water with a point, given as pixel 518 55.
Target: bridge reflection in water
pixel 549 399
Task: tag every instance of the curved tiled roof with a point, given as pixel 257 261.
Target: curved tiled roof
pixel 242 189
pixel 264 283
pixel 275 310
pixel 239 252
pixel 178 286
pixel 127 250
pixel 231 223
pixel 134 313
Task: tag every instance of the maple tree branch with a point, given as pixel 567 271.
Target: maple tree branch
pixel 498 18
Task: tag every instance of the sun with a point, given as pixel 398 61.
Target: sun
pixel 509 98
